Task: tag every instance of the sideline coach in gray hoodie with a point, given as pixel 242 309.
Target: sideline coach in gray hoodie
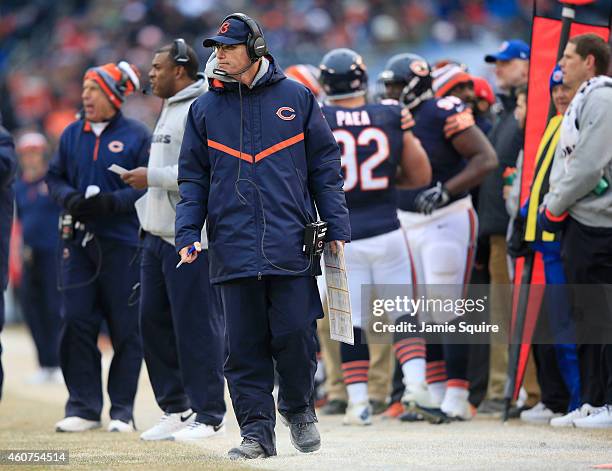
pixel 181 324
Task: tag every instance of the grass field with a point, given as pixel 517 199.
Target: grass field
pixel 27 416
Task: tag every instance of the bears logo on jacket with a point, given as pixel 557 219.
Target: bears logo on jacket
pixel 115 146
pixel 285 113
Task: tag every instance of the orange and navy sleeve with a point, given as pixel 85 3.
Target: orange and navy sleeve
pixel 406 120
pixel 458 121
pixel 193 179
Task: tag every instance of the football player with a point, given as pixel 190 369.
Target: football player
pixel 377 144
pixel 441 227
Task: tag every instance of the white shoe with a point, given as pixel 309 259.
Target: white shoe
pixel 568 419
pixel 121 426
pixel 456 405
pixel 601 417
pixel 76 424
pixel 169 424
pixel 46 375
pixel 418 400
pixel 358 413
pixel 198 431
pixel 539 414
pixel 418 393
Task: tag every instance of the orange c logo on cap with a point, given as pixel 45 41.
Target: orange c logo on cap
pixel 224 27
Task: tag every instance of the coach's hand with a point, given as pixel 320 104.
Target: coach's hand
pixel 136 178
pixel 103 204
pixel 185 258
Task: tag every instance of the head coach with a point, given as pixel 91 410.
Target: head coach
pixel 256 157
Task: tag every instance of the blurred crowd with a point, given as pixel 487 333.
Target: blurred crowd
pixel 45 45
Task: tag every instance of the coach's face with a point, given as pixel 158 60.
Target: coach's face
pixel 96 105
pixel 163 75
pixel 232 58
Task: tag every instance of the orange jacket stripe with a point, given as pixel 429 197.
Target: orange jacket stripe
pixel 229 150
pixel 263 154
pixel 280 146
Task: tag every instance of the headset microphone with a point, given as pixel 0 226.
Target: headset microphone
pixel 224 73
pixel 147 89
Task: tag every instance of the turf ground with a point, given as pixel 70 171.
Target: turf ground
pixel 28 413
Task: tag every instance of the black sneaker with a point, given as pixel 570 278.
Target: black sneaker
pixel 515 412
pixel 305 437
pixel 378 407
pixel 248 450
pixel 411 417
pixel 334 407
pixel 491 407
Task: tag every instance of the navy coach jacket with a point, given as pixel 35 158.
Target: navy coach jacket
pixel 83 159
pixel 8 166
pixel 257 202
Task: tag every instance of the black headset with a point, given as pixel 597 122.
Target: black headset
pixel 256 43
pixel 180 56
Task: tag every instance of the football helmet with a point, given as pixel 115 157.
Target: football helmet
pixel 343 74
pixel 407 78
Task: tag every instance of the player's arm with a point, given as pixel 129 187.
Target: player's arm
pixel 415 169
pixel 481 158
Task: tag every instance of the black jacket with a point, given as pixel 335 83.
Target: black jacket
pixel 507 139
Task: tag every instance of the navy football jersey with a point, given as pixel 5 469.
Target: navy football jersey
pixel 371 142
pixel 438 120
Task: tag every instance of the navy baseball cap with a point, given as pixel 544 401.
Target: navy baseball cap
pixel 232 31
pixel 513 49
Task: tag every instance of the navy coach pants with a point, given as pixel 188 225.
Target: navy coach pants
pixel 182 329
pixel 1 326
pixel 41 304
pixel 273 318
pixel 86 300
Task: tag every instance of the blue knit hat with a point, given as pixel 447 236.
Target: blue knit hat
pixel 556 78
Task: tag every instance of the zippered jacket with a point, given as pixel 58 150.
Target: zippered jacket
pixel 83 158
pixel 257 189
pixel 8 166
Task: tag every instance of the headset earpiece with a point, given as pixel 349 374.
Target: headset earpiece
pixel 256 44
pixel 180 56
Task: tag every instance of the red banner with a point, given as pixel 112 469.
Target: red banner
pixel 544 42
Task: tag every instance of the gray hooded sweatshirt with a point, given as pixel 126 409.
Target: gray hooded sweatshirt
pixel 573 177
pixel 157 208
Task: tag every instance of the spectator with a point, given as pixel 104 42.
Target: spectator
pixel 484 99
pixel 554 354
pixel 39 215
pixel 579 204
pixel 511 69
